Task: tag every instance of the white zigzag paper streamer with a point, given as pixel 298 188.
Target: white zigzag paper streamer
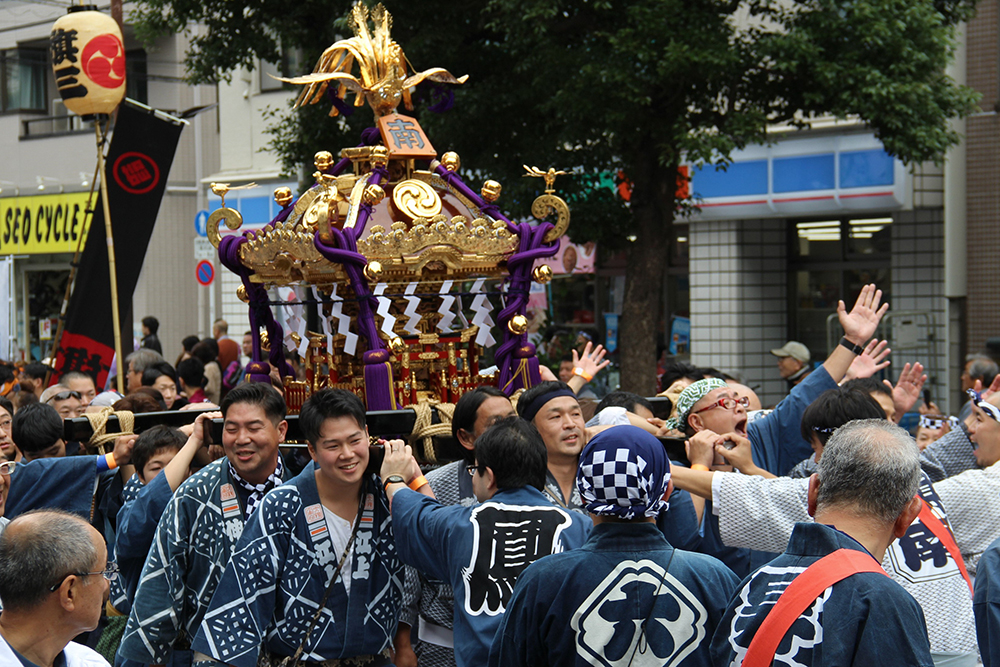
pixel 388 321
pixel 447 301
pixel 481 307
pixel 324 320
pixel 412 303
pixel 343 324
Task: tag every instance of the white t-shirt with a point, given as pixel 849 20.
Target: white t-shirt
pixel 340 533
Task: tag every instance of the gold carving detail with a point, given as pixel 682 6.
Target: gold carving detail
pixel 416 199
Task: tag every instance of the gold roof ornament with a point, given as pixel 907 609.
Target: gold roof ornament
pixel 382 79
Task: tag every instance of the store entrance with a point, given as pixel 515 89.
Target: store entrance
pixel 44 289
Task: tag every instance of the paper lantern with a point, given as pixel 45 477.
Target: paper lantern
pixel 88 60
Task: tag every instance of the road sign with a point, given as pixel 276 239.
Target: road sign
pixel 203 249
pixel 201 223
pixel 205 273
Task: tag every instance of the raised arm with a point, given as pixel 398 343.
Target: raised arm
pixel 859 326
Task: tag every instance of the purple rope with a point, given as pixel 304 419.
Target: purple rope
pixel 492 210
pixel 532 247
pixel 260 314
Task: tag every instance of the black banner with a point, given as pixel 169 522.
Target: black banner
pixel 138 162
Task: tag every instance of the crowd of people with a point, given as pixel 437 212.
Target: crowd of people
pixel 816 532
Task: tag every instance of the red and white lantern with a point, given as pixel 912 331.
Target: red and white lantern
pixel 88 60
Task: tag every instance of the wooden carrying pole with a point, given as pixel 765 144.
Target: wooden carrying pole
pixel 112 270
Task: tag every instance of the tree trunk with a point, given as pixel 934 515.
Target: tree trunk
pixel 652 206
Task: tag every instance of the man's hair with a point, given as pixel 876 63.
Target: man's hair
pixel 141 400
pixel 528 397
pixel 468 405
pixel 566 357
pixel 192 372
pixel 983 369
pixel 513 449
pixel 150 375
pixel 5 404
pixel 56 545
pixel 151 323
pixel 152 441
pixel 623 399
pixel 36 427
pixel 36 371
pixel 75 375
pixel 189 342
pixel 23 398
pixel 142 359
pixel 221 325
pixel 207 350
pixel 869 386
pixel 260 394
pixel 327 404
pixel 870 465
pixel 677 370
pixel 834 408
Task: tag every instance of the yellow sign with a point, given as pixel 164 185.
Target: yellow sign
pixel 42 224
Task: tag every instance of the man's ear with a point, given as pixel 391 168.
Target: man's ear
pixel 813 493
pixel 906 517
pixel 282 430
pixel 490 479
pixel 466 439
pixel 695 422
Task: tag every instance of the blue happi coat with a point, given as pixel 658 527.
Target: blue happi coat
pixel 194 540
pixel 142 507
pixel 481 550
pixel 986 605
pixel 866 619
pixel 584 607
pixel 281 569
pixel 66 483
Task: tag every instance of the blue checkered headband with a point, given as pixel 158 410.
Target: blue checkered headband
pixel 624 471
pixel 992 411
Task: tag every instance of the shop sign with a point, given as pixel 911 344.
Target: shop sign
pixel 42 224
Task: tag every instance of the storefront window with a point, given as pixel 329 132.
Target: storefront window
pixel 830 261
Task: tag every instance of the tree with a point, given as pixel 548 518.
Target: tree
pixel 637 88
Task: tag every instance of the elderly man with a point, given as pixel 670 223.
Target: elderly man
pixel 53 583
pixel 137 363
pixel 200 527
pixel 432 600
pixel 758 513
pixel 481 550
pixel 845 610
pixel 625 572
pixel 793 362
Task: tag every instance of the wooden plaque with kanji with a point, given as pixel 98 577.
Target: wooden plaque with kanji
pixel 404 137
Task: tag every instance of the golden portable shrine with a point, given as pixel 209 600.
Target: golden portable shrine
pixel 389 239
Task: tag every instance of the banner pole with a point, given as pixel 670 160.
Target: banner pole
pixel 112 271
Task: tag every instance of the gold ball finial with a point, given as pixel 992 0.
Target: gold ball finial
pixel 451 161
pixel 323 160
pixel 282 196
pixel 373 270
pixel 241 294
pixel 491 191
pixel 374 194
pixel 542 274
pixel 379 156
pixel 518 325
pixel 397 345
pixel 265 342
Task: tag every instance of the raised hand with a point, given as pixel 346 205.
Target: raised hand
pixel 860 324
pixel 907 389
pixel 869 362
pixel 592 360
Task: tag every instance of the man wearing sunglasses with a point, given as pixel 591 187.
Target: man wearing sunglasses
pixel 54 577
pixel 67 402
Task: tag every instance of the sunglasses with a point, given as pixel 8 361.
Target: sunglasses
pixel 64 396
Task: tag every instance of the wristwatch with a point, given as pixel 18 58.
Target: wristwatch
pixel 392 479
pixel 582 373
pixel 856 349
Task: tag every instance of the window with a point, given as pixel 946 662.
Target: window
pixel 135 76
pixel 23 75
pixel 829 261
pixel 290 65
